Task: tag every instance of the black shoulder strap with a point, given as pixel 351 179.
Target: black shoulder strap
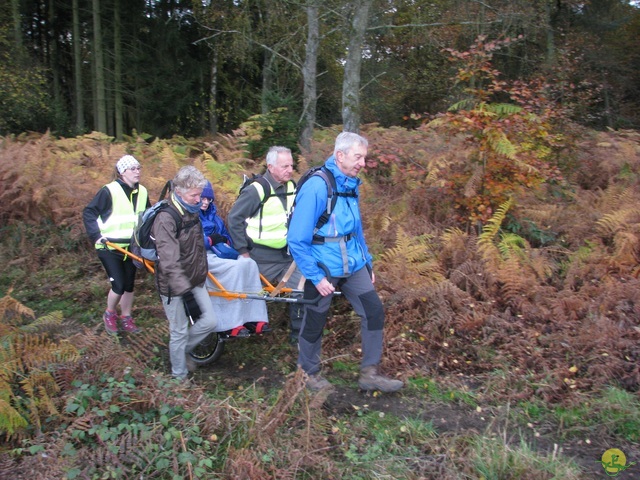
pixel 332 198
pixel 166 189
pixel 266 186
pixel 332 195
pixel 330 180
pixel 180 225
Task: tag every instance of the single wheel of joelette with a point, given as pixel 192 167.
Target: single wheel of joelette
pixel 209 350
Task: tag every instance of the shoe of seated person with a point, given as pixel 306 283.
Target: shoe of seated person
pixel 238 332
pixel 258 327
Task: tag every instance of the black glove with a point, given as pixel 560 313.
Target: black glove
pixel 217 238
pixel 191 306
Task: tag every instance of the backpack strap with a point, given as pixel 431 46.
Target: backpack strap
pixel 180 225
pixel 168 187
pixel 332 198
pixel 266 188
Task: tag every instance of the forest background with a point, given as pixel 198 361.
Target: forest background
pixel 188 68
pixel 500 201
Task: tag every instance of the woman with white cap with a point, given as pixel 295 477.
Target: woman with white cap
pixel 112 215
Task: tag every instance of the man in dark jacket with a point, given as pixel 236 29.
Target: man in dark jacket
pixel 258 227
pixel 181 270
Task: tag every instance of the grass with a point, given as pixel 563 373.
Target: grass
pixel 495 459
pixel 374 444
pixel 441 393
pixel 614 410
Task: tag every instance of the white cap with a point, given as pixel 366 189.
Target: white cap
pixel 125 163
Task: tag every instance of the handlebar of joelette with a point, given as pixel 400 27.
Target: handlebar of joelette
pixel 306 301
pixel 316 299
pixel 112 242
pixel 105 240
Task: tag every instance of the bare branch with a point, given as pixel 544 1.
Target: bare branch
pixel 250 40
pixel 437 24
pixel 372 80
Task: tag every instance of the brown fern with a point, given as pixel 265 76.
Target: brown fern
pixel 145 346
pixel 27 359
pixel 410 262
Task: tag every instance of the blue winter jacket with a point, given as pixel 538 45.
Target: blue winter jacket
pixel 212 223
pixel 341 258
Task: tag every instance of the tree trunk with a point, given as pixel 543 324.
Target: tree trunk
pixel 351 82
pixel 606 94
pixel 309 72
pixel 267 81
pixel 17 25
pixel 117 71
pixel 53 57
pixel 100 121
pixel 77 69
pixel 108 95
pixel 213 90
pixel 550 39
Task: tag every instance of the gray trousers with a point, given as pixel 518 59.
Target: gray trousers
pixel 360 292
pixel 183 337
pixel 273 265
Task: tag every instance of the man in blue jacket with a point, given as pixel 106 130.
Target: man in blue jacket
pixel 336 256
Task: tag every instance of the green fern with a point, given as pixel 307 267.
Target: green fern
pixel 500 144
pixel 53 319
pixel 465 104
pixel 10 419
pixel 504 109
pixel 492 227
pixel 486 246
pixel 513 245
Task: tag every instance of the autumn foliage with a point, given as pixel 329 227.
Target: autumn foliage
pixel 506 243
pixel 511 128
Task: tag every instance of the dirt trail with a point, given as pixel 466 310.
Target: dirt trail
pixel 448 419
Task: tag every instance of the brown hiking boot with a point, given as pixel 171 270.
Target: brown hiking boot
pixel 317 382
pixel 371 380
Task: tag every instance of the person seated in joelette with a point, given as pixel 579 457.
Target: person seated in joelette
pixel 240 317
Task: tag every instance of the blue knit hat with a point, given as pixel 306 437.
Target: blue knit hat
pixel 207 191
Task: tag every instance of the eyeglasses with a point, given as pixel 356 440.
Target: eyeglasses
pixel 135 169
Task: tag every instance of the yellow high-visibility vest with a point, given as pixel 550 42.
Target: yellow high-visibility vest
pixel 124 217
